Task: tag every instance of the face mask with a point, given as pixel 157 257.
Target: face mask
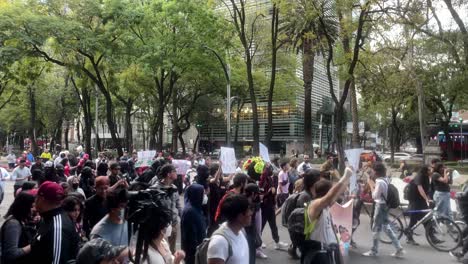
pixel 205 199
pixel 75 185
pixel 168 231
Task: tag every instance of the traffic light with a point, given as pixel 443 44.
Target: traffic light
pixel 198 125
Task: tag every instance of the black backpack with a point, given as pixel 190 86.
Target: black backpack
pixel 409 191
pixel 393 197
pixel 288 206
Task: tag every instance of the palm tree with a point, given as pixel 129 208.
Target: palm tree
pixel 305 32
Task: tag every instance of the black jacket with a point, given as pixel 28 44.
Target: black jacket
pixel 56 240
pixel 95 210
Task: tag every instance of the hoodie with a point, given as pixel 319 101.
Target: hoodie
pixel 193 224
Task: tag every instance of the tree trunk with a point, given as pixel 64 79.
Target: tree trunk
pixel 240 105
pixel 274 52
pixel 307 76
pixel 128 124
pixel 32 120
pixel 67 129
pixel 197 139
pixel 339 115
pixel 182 142
pixel 355 140
pixel 253 101
pixel 448 140
pixel 111 123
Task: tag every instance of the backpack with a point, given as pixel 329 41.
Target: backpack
pixel 288 207
pixel 201 255
pixel 408 191
pixel 393 197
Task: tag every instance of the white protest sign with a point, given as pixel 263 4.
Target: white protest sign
pixel 228 159
pixel 182 166
pixel 145 158
pixel 354 157
pixel 264 153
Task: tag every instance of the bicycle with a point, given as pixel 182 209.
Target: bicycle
pixel 442 233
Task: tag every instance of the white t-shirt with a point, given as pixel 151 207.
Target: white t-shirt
pixel 381 188
pixel 20 175
pixel 154 257
pixel 303 167
pixel 219 247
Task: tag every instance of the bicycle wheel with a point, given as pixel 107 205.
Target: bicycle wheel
pixel 443 234
pixel 397 227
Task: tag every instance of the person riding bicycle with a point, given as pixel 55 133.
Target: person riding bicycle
pixel 419 199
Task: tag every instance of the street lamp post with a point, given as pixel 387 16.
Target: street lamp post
pixel 461 139
pixel 227 75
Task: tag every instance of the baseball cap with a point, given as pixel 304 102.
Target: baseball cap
pixel 51 191
pixel 97 250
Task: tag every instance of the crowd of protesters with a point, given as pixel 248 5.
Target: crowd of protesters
pixel 71 208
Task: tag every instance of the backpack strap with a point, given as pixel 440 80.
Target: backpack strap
pixel 221 232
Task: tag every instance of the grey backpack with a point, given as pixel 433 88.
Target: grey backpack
pixel 201 256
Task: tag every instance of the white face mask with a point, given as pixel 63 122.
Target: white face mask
pixel 168 231
pixel 205 199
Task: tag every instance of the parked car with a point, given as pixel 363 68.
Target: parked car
pixel 415 157
pixel 398 156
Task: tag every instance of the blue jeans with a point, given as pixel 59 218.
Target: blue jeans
pixel 442 201
pixel 381 223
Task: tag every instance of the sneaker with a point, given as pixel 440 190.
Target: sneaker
pixel 456 255
pixel 261 255
pixel 412 242
pixel 263 245
pixel 293 253
pixel 281 246
pixel 399 253
pixel 353 244
pixel 370 254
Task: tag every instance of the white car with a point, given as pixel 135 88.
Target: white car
pixel 398 156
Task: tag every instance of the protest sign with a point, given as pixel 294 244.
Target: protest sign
pixel 354 157
pixel 342 216
pixel 145 158
pixel 182 166
pixel 264 153
pixel 228 159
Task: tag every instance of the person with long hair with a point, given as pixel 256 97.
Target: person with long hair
pixel 155 234
pixel 441 179
pixel 15 241
pixel 74 208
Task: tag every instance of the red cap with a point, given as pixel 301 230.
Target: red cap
pixel 51 191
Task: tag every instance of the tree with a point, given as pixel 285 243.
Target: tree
pixel 245 28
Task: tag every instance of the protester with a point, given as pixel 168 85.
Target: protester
pixel 56 240
pixel 113 227
pixel 193 222
pixel 419 200
pixel 305 165
pixel 318 213
pixel 95 208
pixel 114 175
pixel 217 189
pixel 74 208
pixel 74 185
pixel 87 181
pixel 37 165
pixel 379 190
pixel 236 210
pixel 57 160
pixel 293 174
pixel 155 233
pixel 46 155
pixel 441 179
pixel 239 182
pixel 100 251
pixel 283 183
pixel 15 239
pixel 20 174
pixel 11 159
pixel 168 175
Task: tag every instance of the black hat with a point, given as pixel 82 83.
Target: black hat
pixel 97 250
